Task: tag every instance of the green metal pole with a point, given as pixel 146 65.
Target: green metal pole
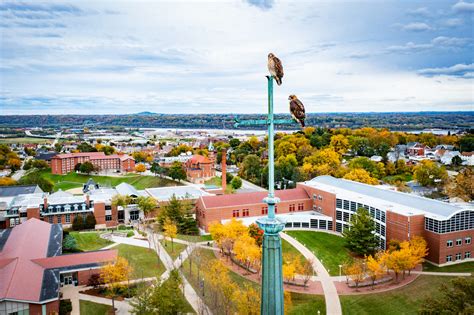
pixel 272 277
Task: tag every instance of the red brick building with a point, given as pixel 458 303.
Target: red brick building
pixel 32 268
pixel 328 203
pixel 199 169
pixel 65 163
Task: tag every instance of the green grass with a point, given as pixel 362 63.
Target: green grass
pixel 74 180
pixel 307 304
pixel 216 181
pixel 194 238
pixel 463 267
pixel 88 241
pixel 173 249
pixel 144 261
pixel 405 300
pixel 287 248
pixel 327 247
pixel 88 308
pixel 25 140
pixel 406 177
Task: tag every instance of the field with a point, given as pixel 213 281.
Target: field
pixel 74 180
pixel 88 241
pixel 327 247
pixel 88 307
pixel 287 248
pixel 406 300
pixel 303 304
pixel 144 261
pixel 464 267
pixel 25 140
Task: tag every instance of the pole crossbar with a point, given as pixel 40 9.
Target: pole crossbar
pixel 261 122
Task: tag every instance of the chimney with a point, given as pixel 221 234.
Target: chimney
pixel 88 201
pixel 224 170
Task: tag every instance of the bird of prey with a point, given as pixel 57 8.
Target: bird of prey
pixel 297 109
pixel 275 68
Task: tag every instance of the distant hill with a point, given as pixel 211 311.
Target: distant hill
pixel 393 121
pixel 146 114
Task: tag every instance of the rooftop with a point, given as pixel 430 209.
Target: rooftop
pixel 403 203
pixel 186 192
pixel 251 198
pixel 7 191
pixel 30 261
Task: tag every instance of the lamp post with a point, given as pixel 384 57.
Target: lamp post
pixel 340 272
pixel 272 277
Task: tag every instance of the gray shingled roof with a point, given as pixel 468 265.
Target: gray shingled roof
pixel 7 191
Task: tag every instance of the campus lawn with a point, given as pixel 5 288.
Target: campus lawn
pixel 463 267
pixel 74 180
pixel 303 304
pixel 88 241
pixel 194 238
pixel 88 307
pixel 405 300
pixel 329 248
pixel 25 140
pixel 173 249
pixel 144 261
pixel 287 248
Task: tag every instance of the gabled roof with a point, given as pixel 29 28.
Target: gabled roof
pixel 30 261
pixel 61 197
pixel 251 198
pixel 126 189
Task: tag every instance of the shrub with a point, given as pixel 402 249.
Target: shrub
pixel 90 222
pixel 65 307
pixel 78 223
pixel 95 280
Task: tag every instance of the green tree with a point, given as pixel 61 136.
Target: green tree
pixel 176 171
pixel 251 168
pixel 179 211
pixel 157 169
pixel 86 147
pixel 360 237
pixel 35 178
pixel 165 298
pixel 375 169
pixel 466 143
pixel 90 222
pixel 78 223
pixel 58 147
pixel 69 243
pixel 236 182
pixel 456 160
pixel 457 297
pixel 428 173
pixel 146 205
pixel 86 167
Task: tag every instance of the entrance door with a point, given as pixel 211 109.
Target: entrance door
pixel 68 280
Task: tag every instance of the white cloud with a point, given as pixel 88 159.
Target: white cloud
pixel 458 70
pixel 416 27
pixel 453 22
pixel 462 7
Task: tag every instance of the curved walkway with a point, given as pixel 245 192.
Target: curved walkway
pixel 333 305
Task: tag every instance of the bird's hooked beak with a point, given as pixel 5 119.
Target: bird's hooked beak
pixel 289 98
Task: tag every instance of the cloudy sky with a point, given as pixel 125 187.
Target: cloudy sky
pixel 102 57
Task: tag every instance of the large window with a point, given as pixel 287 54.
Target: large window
pixel 467 255
pixel 134 215
pixel 467 240
pixel 108 217
pixel 245 212
pixel 449 243
pixel 235 213
pixel 449 258
pixel 68 218
pixel 339 203
pixel 459 222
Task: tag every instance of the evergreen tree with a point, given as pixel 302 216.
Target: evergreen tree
pixel 360 238
pixel 90 222
pixel 78 223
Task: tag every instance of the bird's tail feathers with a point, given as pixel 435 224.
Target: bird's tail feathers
pixel 302 123
pixel 278 80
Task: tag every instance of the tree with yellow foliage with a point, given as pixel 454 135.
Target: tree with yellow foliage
pixel 247 300
pixel 140 168
pixel 306 270
pixel 321 162
pixel 113 275
pixel 374 268
pixel 362 176
pixel 246 250
pixel 7 181
pixel 339 143
pixel 226 234
pixel 291 265
pixel 170 230
pixel 355 271
pixel 220 287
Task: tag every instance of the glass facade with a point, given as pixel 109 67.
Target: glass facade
pixel 459 222
pixel 345 209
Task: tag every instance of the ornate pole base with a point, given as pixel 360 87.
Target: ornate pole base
pixel 272 277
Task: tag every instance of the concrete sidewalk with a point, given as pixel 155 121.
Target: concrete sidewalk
pixel 333 304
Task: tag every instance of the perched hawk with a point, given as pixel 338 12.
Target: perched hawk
pixel 297 109
pixel 275 68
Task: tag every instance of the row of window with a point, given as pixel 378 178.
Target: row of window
pixel 459 222
pixel 236 213
pixel 467 240
pixel 314 224
pixel 346 217
pixel 353 206
pixel 292 207
pixel 319 197
pixel 458 256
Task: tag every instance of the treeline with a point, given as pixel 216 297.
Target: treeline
pixel 393 121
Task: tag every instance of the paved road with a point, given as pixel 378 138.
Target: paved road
pixel 333 305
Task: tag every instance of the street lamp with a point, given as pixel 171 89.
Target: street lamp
pixel 340 272
pixel 272 277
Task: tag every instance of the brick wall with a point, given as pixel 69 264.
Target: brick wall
pixel 438 249
pixel 84 275
pixel 327 203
